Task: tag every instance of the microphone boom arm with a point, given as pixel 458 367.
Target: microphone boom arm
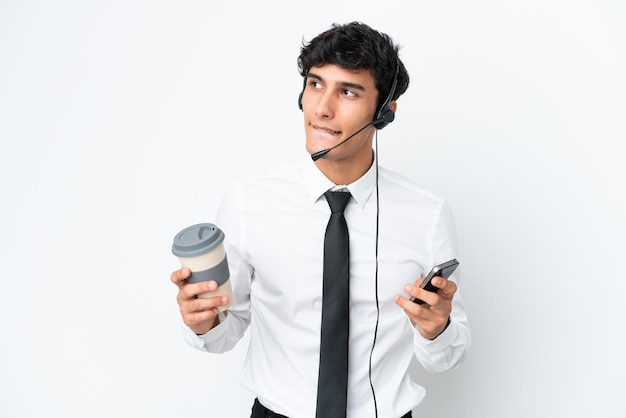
pixel 319 154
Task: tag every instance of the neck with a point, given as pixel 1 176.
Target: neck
pixel 345 171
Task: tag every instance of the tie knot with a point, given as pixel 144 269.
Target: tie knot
pixel 337 200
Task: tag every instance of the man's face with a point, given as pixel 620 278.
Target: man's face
pixel 336 104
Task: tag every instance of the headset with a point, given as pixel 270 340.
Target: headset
pixel 384 115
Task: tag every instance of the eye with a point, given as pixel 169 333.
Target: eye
pixel 315 84
pixel 349 93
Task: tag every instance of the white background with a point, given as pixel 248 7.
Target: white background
pixel 122 122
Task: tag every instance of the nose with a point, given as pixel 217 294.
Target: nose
pixel 325 105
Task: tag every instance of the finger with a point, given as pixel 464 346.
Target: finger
pixel 430 323
pixel 434 304
pixel 201 321
pixel 190 291
pixel 180 276
pixel 192 319
pixel 199 305
pixel 417 292
pixel 447 288
pixel 419 281
pixel 416 313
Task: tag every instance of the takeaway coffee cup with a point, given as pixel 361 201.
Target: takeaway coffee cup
pixel 200 248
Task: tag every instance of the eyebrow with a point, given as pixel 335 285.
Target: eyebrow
pixel 355 86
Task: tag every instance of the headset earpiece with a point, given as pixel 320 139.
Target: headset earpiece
pixel 385 114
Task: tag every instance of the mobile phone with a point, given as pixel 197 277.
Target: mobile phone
pixel 442 270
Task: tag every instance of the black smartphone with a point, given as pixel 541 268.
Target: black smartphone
pixel 442 270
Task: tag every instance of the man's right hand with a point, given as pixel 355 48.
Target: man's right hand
pixel 199 314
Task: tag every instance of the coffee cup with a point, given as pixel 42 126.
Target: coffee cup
pixel 200 248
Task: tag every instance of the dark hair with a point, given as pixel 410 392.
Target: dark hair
pixel 356 46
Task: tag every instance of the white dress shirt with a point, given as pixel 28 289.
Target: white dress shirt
pixel 274 226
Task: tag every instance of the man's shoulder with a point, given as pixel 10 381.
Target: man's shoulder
pixel 407 187
pixel 282 178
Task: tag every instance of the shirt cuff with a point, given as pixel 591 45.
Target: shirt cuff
pixel 442 340
pixel 437 350
pixel 199 341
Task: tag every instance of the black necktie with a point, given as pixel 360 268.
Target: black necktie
pixel 332 387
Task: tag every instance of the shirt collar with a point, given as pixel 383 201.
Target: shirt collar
pixel 317 183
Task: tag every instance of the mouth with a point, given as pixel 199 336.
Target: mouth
pixel 325 130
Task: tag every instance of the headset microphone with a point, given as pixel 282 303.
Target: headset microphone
pixel 319 154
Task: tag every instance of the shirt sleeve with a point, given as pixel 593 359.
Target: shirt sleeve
pixel 448 350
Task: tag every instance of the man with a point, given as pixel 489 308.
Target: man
pixel 275 225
